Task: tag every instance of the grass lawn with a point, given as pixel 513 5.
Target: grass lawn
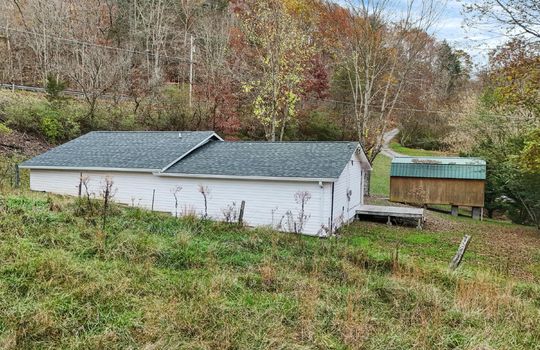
pixel 413 152
pixel 380 176
pixel 152 281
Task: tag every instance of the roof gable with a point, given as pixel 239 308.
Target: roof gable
pixel 313 160
pixel 138 150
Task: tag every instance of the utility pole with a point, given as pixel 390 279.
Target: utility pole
pixel 191 50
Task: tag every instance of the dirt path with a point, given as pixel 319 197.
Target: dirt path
pixel 387 138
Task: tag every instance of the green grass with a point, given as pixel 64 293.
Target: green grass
pixel 413 152
pixel 380 176
pixel 153 281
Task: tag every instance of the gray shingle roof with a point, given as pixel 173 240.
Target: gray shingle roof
pixel 268 159
pixel 126 150
pixel 154 151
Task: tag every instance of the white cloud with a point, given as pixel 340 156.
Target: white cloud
pixel 451 26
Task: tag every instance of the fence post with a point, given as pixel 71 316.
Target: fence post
pixel 456 261
pixel 80 184
pixel 153 196
pixel 241 215
pixel 17 176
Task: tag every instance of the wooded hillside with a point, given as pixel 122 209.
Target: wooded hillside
pixel 295 69
pixel 283 70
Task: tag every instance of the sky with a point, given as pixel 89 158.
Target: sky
pixel 451 27
pixel 476 41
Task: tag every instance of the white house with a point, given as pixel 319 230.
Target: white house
pixel 307 187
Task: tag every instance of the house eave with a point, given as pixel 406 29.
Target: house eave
pixel 157 172
pixel 364 160
pixel 240 177
pixel 67 168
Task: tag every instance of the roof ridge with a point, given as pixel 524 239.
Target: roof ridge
pixel 281 142
pixel 445 157
pixel 145 131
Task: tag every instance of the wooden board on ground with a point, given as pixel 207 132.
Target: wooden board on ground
pixel 402 212
pixel 388 212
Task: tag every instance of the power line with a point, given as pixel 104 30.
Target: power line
pixel 508 117
pixel 395 108
pixel 78 42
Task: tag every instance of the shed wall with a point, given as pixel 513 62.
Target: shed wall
pixel 267 202
pixel 351 179
pixel 437 191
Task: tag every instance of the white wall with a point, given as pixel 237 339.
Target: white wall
pixel 351 179
pixel 267 202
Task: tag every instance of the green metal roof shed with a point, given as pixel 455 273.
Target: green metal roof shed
pixel 439 167
pixel 439 180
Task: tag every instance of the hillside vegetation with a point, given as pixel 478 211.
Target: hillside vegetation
pixel 152 281
pixel 417 152
pixel 379 183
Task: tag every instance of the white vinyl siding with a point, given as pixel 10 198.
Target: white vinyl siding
pixel 267 202
pixel 351 179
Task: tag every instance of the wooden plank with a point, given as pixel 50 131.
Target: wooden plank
pixel 456 261
pixel 437 191
pixel 389 212
pixel 401 212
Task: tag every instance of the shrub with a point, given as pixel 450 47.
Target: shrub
pixel 54 88
pixel 320 126
pixel 419 131
pixel 55 122
pixel 7 171
pixel 4 129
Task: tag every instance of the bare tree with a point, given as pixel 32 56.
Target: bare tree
pixel 85 181
pixel 301 198
pixel 154 28
pixel 107 193
pixel 230 213
pixel 176 192
pixel 518 18
pixel 213 43
pixel 42 21
pixel 95 72
pixel 205 192
pixel 380 53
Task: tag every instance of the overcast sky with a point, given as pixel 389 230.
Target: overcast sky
pixel 476 41
pixel 451 27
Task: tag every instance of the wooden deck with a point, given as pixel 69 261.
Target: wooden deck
pixel 416 214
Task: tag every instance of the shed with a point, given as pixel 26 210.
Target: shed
pixel 305 187
pixel 455 181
